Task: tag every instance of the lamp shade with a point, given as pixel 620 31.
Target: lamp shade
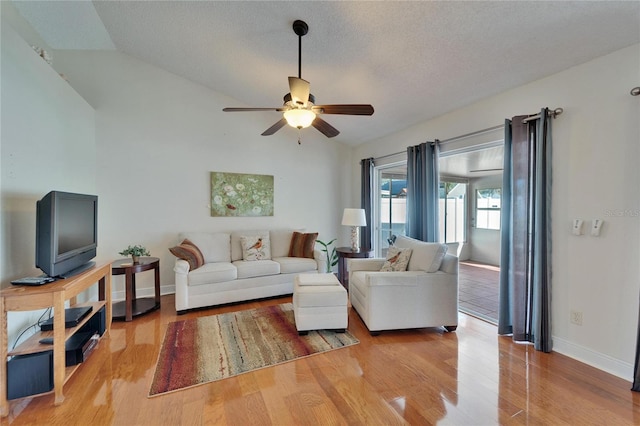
pixel 299 118
pixel 354 217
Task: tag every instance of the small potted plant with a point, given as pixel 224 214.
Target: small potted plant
pixel 332 256
pixel 135 252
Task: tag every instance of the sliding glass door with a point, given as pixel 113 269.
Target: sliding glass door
pixel 390 206
pixel 390 209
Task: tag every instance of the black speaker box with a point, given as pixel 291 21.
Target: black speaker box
pixel 96 324
pixel 29 374
pixel 32 374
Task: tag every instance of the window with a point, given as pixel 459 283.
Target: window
pixel 488 208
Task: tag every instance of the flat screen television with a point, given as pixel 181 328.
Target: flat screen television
pixel 66 233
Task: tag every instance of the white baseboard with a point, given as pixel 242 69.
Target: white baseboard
pixel 600 361
pixel 118 296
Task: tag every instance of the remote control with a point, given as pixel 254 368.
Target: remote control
pixel 33 281
pixel 47 340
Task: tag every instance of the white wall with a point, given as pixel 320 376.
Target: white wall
pixel 159 136
pixel 596 175
pixel 48 142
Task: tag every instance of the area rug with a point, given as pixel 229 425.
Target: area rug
pixel 206 349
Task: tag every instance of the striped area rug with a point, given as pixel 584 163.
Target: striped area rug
pixel 206 349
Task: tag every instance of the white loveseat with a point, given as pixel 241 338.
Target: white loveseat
pixel 425 295
pixel 225 277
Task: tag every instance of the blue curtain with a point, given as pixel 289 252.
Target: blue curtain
pixel 504 312
pixel 422 191
pixel 636 366
pixel 525 278
pixel 366 191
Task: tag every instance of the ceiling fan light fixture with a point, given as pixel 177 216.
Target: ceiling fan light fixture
pixel 299 118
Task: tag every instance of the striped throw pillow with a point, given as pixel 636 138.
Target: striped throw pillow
pixel 188 251
pixel 302 245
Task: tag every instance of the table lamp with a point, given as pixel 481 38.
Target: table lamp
pixel 354 218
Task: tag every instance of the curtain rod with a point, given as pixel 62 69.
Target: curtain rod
pixel 552 113
pixel 477 132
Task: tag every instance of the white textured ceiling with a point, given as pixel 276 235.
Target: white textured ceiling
pixel 411 60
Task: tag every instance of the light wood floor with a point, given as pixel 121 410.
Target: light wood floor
pixel 427 376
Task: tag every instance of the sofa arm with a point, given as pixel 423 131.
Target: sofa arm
pixel 370 264
pixel 449 264
pixel 181 267
pixel 321 260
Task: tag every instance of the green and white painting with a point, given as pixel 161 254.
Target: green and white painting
pixel 240 194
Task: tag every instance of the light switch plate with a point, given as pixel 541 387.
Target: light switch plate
pixel 577 227
pixel 596 226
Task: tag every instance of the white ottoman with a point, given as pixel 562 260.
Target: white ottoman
pixel 319 302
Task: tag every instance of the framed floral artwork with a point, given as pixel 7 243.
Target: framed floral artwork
pixel 240 194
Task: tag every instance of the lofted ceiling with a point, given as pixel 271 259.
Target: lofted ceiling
pixel 412 61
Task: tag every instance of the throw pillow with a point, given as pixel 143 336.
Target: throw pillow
pixel 397 259
pixel 302 245
pixel 255 247
pixel 188 251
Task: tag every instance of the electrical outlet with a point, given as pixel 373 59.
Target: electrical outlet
pixel 576 317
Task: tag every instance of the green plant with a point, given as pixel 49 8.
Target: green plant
pixel 332 256
pixel 135 251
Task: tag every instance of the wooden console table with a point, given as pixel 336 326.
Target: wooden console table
pixel 27 298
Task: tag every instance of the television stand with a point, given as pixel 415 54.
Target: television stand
pixel 26 298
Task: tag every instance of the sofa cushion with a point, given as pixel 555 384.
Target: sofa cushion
pixel 213 245
pixel 425 256
pixel 236 243
pixel 302 245
pixel 255 248
pixel 397 259
pixel 210 273
pixel 292 265
pixel 281 241
pixel 256 268
pixel 188 251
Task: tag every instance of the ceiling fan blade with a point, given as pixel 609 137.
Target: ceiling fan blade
pixel 271 130
pixel 325 128
pixel 251 109
pixel 347 109
pixel 299 90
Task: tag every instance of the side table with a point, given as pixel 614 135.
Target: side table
pixel 346 253
pixel 132 306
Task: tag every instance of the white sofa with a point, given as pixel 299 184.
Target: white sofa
pixel 226 278
pixel 425 295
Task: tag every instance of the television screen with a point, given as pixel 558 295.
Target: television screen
pixel 66 233
pixel 75 224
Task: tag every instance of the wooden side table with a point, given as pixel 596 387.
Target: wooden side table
pixel 132 306
pixel 346 253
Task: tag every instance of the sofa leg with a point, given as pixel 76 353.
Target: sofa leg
pixel 303 333
pixel 450 328
pixel 374 333
pixel 340 330
pixel 182 312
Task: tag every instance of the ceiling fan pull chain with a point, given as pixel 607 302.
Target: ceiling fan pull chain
pixel 299 137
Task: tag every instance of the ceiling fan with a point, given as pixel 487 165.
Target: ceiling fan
pixel 299 109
